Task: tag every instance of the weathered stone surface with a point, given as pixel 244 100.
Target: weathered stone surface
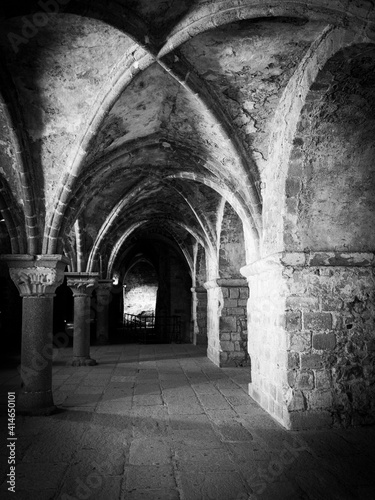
pixel 317 321
pixel 324 341
pixel 203 138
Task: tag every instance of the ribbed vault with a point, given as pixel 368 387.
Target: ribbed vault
pixel 124 114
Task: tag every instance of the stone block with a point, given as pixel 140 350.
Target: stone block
pixel 293 321
pixel 311 361
pixel 244 293
pixel 324 341
pixel 227 346
pixel 300 341
pixel 302 302
pixel 230 303
pixel 228 324
pixel 293 187
pixel 320 399
pixel 234 293
pixel 242 302
pixel 300 420
pixel 236 311
pixel 322 379
pixel 317 321
pixel 293 360
pixel 291 377
pixel 225 336
pixel 297 401
pixel 330 303
pixel 304 380
pixel 223 358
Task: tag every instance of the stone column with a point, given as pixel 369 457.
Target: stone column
pixel 103 298
pixel 214 307
pixel 199 316
pixel 82 286
pixel 36 278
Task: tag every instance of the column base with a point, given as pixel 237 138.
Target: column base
pixel 35 403
pixel 83 361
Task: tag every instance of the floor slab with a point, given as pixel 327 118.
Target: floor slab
pixel 163 422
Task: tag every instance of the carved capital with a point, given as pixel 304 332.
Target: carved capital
pixel 36 281
pixel 36 275
pixel 82 284
pixel 104 287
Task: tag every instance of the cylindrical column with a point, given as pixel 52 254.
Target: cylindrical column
pixel 81 339
pixel 82 285
pixel 36 277
pixel 103 297
pixel 36 353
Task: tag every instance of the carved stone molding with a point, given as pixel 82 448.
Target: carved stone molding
pixel 308 259
pixel 36 281
pixel 36 275
pixel 104 287
pixel 82 284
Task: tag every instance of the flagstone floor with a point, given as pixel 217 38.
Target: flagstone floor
pixel 161 422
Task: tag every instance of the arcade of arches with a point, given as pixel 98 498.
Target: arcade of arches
pixel 228 145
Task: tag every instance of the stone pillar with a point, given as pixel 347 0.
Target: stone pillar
pixel 214 307
pixel 36 278
pixel 311 342
pixel 82 286
pixel 103 298
pixel 199 315
pixel 226 321
pixel 233 322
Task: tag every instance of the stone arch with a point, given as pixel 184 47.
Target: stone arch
pixel 234 290
pixel 13 219
pixel 285 121
pixel 141 280
pixel 331 178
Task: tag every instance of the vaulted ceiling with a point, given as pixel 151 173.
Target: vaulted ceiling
pixel 144 115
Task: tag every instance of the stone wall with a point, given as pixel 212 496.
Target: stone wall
pixel 227 321
pixel 141 289
pixel 267 337
pixel 233 322
pixel 201 312
pixel 312 342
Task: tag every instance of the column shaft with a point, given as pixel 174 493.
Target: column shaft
pixel 81 339
pixel 36 355
pixel 36 278
pixel 82 285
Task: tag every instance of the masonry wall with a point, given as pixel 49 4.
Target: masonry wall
pixel 233 323
pixel 201 312
pixel 330 322
pixel 312 338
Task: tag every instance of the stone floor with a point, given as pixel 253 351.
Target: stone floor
pixel 161 422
